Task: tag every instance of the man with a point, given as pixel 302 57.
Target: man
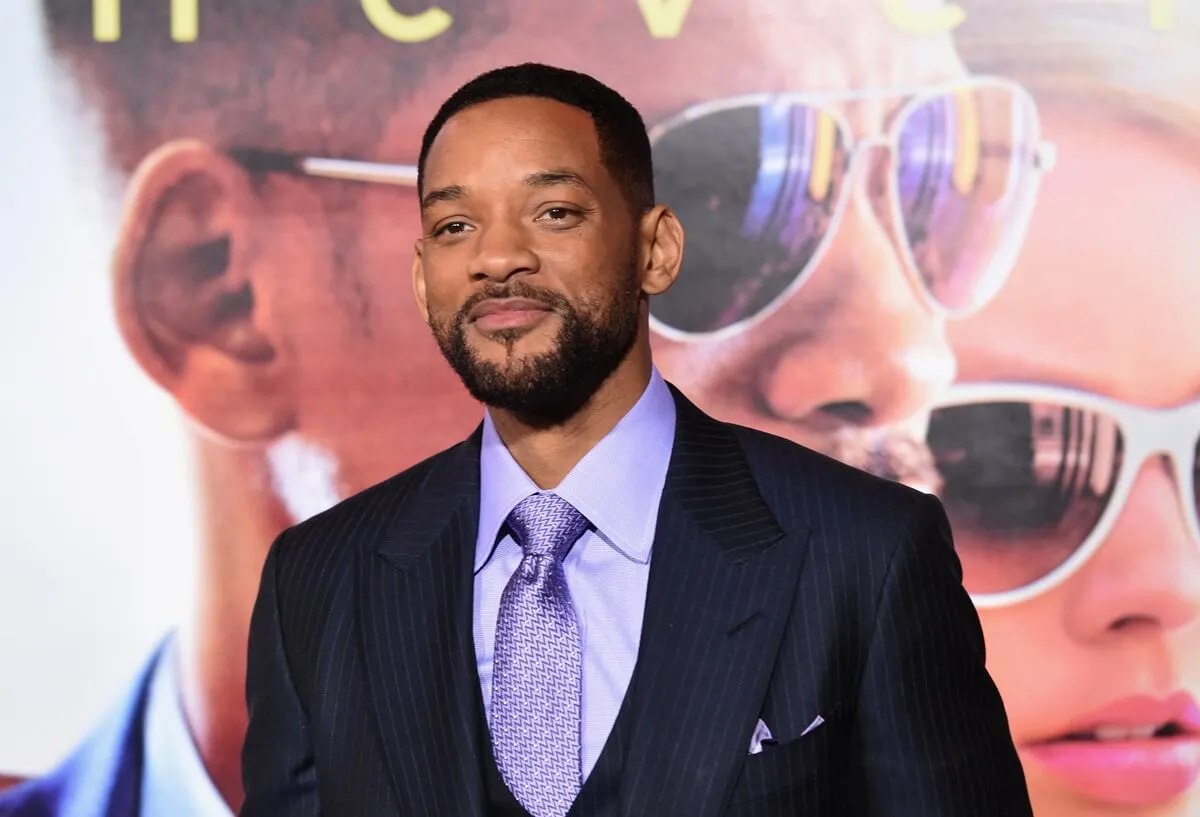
pixel 296 361
pixel 604 601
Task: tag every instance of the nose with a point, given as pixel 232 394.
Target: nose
pixel 857 344
pixel 1145 578
pixel 502 250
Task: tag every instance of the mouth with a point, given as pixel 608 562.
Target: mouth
pixel 1138 751
pixel 497 314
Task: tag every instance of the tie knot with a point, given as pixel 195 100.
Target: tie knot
pixel 546 525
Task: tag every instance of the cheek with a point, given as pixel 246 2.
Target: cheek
pixel 379 404
pixel 1028 655
pixel 441 302
pixel 705 370
pixel 447 286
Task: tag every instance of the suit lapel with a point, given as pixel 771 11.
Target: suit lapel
pixel 416 591
pixel 723 577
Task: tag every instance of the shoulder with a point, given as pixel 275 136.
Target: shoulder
pixel 850 512
pixel 784 467
pixel 359 520
pixel 866 531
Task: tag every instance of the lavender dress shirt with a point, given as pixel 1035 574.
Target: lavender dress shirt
pixel 617 486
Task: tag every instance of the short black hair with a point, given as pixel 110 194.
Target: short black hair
pixel 620 130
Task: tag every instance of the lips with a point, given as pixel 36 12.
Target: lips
pixel 1138 751
pixel 507 313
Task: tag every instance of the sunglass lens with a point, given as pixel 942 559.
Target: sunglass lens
pixel 965 177
pixel 757 188
pixel 1024 485
pixel 1196 479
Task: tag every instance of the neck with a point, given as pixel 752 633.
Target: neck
pixel 547 454
pixel 239 519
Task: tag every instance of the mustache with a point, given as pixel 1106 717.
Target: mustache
pixel 514 289
pixel 892 454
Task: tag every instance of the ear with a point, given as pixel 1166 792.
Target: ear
pixel 418 274
pixel 187 293
pixel 661 238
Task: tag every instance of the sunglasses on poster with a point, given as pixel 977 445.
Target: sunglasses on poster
pixel 1034 478
pixel 763 182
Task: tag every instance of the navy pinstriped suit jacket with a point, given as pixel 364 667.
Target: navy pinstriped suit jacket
pixel 784 586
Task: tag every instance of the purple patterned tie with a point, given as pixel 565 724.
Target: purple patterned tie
pixel 538 667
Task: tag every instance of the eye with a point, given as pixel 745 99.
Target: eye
pixel 452 228
pixel 561 216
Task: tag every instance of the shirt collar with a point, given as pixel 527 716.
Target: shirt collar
pixel 174 780
pixel 617 485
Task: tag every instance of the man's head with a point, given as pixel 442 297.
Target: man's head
pixel 541 242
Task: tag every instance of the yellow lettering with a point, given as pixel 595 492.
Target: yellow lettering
pixel 406 28
pixel 106 20
pixel 185 20
pixel 1162 14
pixel 664 18
pixel 935 21
pixel 824 156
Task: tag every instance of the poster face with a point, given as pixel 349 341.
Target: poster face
pixel 953 244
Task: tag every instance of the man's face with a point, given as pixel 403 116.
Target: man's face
pixel 527 265
pixel 365 389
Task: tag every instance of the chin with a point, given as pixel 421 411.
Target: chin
pixel 504 352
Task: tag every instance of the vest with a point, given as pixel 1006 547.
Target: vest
pixel 600 795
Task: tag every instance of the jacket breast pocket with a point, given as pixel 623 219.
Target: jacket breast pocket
pixel 799 775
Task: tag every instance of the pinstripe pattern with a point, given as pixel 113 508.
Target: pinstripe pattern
pixel 783 586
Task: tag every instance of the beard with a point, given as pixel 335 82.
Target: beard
pixel 549 388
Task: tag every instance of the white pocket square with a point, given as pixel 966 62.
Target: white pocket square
pixel 761 734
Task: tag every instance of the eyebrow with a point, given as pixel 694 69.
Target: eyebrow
pixel 540 178
pixel 450 193
pixel 550 178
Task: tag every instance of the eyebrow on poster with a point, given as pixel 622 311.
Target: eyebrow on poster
pixel 664 18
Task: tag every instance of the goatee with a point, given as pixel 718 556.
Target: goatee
pixel 546 389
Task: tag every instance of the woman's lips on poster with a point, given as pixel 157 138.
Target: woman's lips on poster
pixel 1137 751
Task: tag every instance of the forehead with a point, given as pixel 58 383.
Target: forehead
pixel 494 139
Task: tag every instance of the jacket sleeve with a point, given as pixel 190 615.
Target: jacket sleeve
pixel 278 772
pixel 933 736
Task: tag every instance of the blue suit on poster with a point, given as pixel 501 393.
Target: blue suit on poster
pixel 103 776
pixel 140 761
